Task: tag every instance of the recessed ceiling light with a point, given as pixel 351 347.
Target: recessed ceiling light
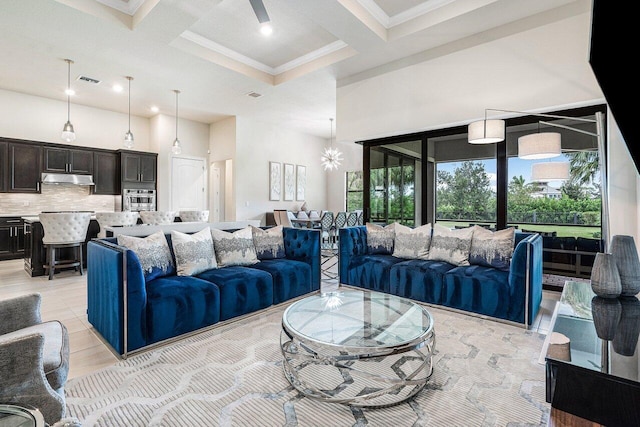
pixel 266 29
pixel 154 109
pixel 117 88
pixel 69 91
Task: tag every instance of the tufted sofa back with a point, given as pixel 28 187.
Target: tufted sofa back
pixel 194 216
pixel 106 219
pixel 157 217
pixel 65 227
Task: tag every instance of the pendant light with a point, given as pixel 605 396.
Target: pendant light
pixel 331 157
pixel 176 148
pixel 68 134
pixel 128 137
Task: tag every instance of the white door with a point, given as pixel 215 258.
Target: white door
pixel 188 184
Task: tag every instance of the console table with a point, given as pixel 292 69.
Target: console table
pixel 593 378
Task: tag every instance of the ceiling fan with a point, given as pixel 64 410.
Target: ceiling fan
pixel 260 11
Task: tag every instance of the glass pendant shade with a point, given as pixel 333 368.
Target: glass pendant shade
pixel 68 133
pixel 128 137
pixel 486 132
pixel 539 146
pixel 550 171
pixel 176 148
pixel 331 157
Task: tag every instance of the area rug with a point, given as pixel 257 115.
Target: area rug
pixel 485 374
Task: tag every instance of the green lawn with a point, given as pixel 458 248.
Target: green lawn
pixel 561 230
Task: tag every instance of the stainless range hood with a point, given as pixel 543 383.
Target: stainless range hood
pixel 63 178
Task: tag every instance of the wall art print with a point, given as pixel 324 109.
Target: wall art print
pixel 301 182
pixel 289 181
pixel 275 180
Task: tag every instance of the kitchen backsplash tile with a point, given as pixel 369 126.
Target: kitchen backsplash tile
pixel 56 198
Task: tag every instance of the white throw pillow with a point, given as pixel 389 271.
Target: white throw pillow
pixel 194 252
pixel 451 246
pixel 269 243
pixel 235 248
pixel 153 253
pixel 492 249
pixel 412 243
pixel 380 239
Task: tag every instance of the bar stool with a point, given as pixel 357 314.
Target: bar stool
pixel 157 217
pixel 118 219
pixel 194 216
pixel 64 230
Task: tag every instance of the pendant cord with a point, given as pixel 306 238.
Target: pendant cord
pixel 177 92
pixel 68 90
pixel 129 78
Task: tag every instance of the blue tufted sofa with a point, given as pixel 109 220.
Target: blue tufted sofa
pixel 131 313
pixel 478 289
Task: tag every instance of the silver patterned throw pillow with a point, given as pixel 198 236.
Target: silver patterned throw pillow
pixel 380 239
pixel 451 246
pixel 234 248
pixel 152 251
pixel 269 243
pixel 412 243
pixel 492 249
pixel 194 252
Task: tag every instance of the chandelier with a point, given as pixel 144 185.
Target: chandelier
pixel 331 157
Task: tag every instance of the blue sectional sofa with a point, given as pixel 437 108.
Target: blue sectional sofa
pixel 131 313
pixel 512 295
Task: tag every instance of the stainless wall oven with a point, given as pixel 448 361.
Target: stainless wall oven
pixel 137 200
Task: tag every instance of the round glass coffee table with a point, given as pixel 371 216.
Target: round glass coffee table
pixel 20 416
pixel 358 348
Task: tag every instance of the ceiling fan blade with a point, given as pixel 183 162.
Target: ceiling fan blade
pixel 260 11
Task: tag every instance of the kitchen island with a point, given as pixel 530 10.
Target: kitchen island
pixel 34 252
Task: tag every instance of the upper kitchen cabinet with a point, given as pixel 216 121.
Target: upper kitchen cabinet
pixel 24 166
pixel 3 166
pixel 63 160
pixel 138 169
pixel 106 173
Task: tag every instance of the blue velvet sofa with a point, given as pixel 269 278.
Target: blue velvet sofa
pixel 513 295
pixel 131 313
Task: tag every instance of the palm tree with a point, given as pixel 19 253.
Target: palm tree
pixel 584 166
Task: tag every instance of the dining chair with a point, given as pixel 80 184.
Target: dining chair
pixel 64 230
pixel 360 218
pixel 328 245
pixel 352 219
pixel 341 220
pixel 328 232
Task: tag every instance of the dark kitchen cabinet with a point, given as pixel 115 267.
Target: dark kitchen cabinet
pixel 63 160
pixel 106 173
pixel 4 166
pixel 24 167
pixel 11 238
pixel 138 168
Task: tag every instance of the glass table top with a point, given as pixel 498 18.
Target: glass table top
pixel 358 319
pixel 18 416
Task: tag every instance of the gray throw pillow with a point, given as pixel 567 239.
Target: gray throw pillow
pixel 380 239
pixel 194 252
pixel 412 243
pixel 269 243
pixel 492 249
pixel 153 253
pixel 234 248
pixel 451 246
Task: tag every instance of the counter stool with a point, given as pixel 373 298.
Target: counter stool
pixel 157 217
pixel 64 230
pixel 118 219
pixel 194 216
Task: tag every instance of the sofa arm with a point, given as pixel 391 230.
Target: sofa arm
pixel 110 270
pixel 352 241
pixel 20 312
pixel 304 245
pixel 526 273
pixel 22 377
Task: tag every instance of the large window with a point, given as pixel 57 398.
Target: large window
pixel 354 191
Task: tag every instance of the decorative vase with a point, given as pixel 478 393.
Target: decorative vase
pixel 605 280
pixel 626 339
pixel 606 314
pixel 624 250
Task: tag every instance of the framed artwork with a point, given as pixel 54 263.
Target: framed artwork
pixel 275 180
pixel 289 181
pixel 301 182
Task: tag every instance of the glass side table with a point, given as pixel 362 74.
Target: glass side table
pixel 595 373
pixel 20 416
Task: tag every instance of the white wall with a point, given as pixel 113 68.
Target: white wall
pixel 41 119
pixel 259 143
pixel 222 151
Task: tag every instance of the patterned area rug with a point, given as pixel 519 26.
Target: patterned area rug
pixel 485 374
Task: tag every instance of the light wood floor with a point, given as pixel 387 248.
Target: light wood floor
pixel 65 298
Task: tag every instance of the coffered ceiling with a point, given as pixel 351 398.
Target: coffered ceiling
pixel 213 51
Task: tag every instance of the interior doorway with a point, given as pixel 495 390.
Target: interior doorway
pixel 188 183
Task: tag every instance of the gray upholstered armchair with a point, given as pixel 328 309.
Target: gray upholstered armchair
pixel 34 357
